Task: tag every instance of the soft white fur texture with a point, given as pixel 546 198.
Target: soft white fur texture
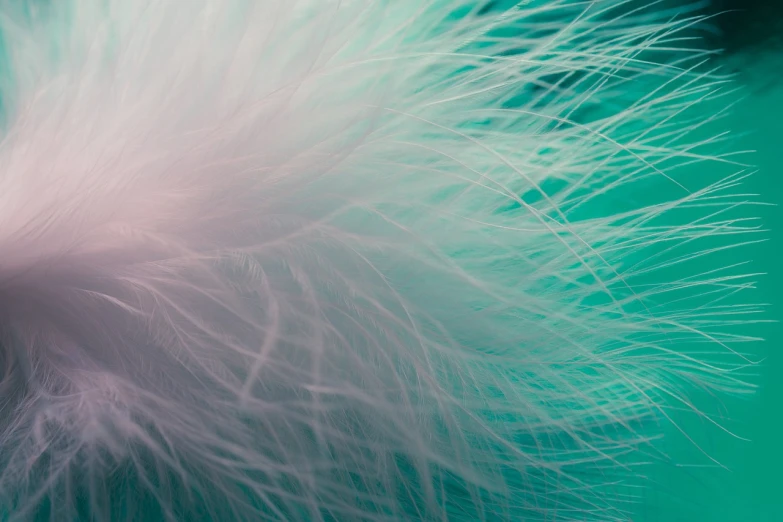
pixel 355 260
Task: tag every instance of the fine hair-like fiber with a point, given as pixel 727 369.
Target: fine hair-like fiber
pixel 358 260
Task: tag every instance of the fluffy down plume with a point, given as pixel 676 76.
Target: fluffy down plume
pixel 357 260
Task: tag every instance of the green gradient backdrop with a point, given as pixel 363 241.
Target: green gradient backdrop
pixel 752 488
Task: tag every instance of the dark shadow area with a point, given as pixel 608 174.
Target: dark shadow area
pixel 747 25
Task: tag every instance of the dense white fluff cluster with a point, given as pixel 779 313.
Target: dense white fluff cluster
pixel 353 260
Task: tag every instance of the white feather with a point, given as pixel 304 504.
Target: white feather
pixel 367 260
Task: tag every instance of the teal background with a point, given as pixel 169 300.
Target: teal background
pixel 751 488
